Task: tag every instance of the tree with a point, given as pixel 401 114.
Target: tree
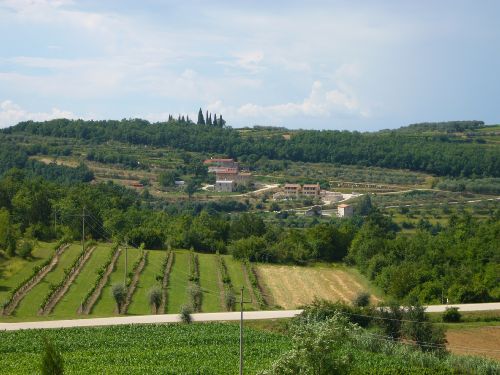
pixel 155 298
pixel 119 292
pixel 191 188
pixel 209 119
pixel 52 361
pixel 201 120
pixel 167 179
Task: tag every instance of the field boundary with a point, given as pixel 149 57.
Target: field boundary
pixel 166 277
pixel 31 283
pixel 96 294
pixel 71 276
pixel 135 280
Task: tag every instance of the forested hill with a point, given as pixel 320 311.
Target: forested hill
pixel 440 154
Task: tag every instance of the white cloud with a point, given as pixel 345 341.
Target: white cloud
pixel 319 103
pixel 11 114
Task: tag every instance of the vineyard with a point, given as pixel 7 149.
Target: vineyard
pixel 64 281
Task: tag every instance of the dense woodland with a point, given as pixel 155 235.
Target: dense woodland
pixel 439 154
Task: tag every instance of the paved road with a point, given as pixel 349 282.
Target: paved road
pixel 203 317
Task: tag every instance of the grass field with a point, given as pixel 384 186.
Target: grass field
pixel 294 286
pixel 178 282
pixel 211 301
pixel 14 271
pixel 140 299
pixel 68 305
pixel 29 306
pixel 106 304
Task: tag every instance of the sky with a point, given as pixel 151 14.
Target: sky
pixel 354 65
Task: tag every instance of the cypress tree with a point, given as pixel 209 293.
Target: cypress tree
pixel 201 120
pixel 209 119
pixel 215 119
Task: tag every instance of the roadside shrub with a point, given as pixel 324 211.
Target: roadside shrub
pixel 195 294
pixel 362 299
pixel 155 298
pixel 451 315
pixel 186 312
pixel 119 292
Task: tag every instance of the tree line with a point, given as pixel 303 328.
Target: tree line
pixel 439 154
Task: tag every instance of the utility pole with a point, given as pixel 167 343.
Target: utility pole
pixel 241 329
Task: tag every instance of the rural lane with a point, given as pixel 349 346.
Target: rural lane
pixel 202 317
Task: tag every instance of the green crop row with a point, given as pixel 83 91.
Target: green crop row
pixel 229 297
pixel 252 276
pixel 194 291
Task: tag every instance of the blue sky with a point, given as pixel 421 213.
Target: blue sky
pixel 356 65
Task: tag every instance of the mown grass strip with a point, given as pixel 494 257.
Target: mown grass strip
pixel 151 276
pixel 105 306
pixel 209 283
pixel 178 283
pixel 238 280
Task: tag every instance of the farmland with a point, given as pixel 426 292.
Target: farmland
pixel 291 286
pixel 325 281
pixel 179 349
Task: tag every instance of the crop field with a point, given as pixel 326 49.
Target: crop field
pixel 294 286
pixel 152 349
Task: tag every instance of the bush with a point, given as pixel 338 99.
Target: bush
pixel 52 362
pixel 25 249
pixel 362 299
pixel 186 312
pixel 451 315
pixel 119 292
pixel 229 299
pixel 155 296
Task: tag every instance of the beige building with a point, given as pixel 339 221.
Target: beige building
pixel 215 165
pixel 292 190
pixel 345 210
pixel 312 190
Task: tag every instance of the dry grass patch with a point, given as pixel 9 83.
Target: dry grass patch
pixel 294 286
pixel 482 341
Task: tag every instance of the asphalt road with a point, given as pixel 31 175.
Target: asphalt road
pixel 202 317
